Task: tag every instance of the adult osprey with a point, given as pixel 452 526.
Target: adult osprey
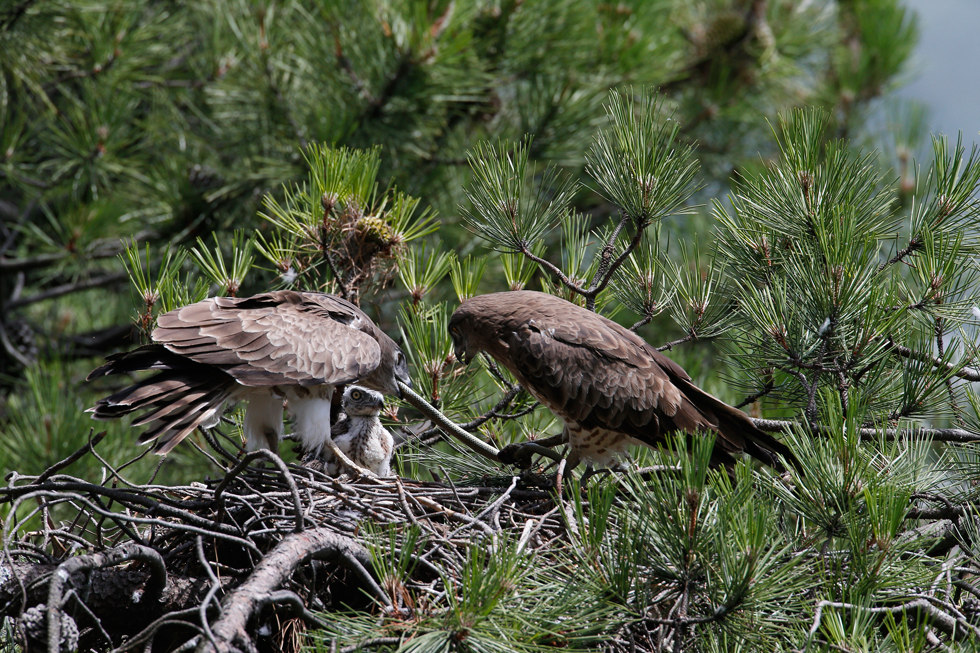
pixel 263 349
pixel 609 386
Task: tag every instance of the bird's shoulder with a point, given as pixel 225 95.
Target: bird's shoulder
pixel 554 326
pixel 283 336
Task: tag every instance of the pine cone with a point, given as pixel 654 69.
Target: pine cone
pixel 34 625
pixel 374 229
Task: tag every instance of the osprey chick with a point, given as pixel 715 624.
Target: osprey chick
pixel 359 434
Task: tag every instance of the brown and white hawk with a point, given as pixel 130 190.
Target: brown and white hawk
pixel 609 386
pixel 263 349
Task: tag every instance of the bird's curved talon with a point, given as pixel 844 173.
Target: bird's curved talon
pixel 603 472
pixel 519 454
pixel 516 454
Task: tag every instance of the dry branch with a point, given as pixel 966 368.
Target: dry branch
pixel 150 567
pixel 273 571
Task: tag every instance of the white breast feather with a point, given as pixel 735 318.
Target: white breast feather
pixel 368 443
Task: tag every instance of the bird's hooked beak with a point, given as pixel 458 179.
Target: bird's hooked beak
pixel 401 375
pixel 460 352
pixel 459 349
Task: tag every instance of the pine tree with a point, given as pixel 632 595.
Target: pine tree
pixel 839 305
pixel 165 121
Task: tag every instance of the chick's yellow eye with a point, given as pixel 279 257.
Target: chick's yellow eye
pixel 356 394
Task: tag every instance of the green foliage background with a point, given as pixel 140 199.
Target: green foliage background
pixel 230 146
pixel 169 121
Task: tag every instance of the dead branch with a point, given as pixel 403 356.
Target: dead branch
pixel 152 567
pixel 229 633
pixel 874 434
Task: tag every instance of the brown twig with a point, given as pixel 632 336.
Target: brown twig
pixel 872 434
pixel 66 289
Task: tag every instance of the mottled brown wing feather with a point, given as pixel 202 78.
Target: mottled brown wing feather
pixel 610 387
pixel 281 337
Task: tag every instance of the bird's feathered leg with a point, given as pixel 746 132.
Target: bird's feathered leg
pixel 311 417
pixel 263 422
pixel 572 459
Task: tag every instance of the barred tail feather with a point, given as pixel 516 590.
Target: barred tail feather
pixel 183 396
pixel 204 410
pixel 738 433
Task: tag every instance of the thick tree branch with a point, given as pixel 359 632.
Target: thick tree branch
pixel 493 413
pixel 872 434
pixel 273 571
pixel 30 263
pixel 965 373
pixel 67 289
pixel 447 425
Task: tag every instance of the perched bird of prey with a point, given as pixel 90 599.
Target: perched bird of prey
pixel 359 434
pixel 609 386
pixel 263 349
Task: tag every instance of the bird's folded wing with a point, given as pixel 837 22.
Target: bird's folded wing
pixel 605 337
pixel 281 337
pixel 605 380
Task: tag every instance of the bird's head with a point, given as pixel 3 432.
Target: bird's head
pixel 459 332
pixel 361 401
pixel 392 369
pixel 400 369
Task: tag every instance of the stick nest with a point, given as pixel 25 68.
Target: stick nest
pixel 241 562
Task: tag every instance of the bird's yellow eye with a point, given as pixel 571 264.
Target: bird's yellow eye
pixel 356 394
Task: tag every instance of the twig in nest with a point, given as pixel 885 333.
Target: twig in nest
pixel 277 461
pixel 347 462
